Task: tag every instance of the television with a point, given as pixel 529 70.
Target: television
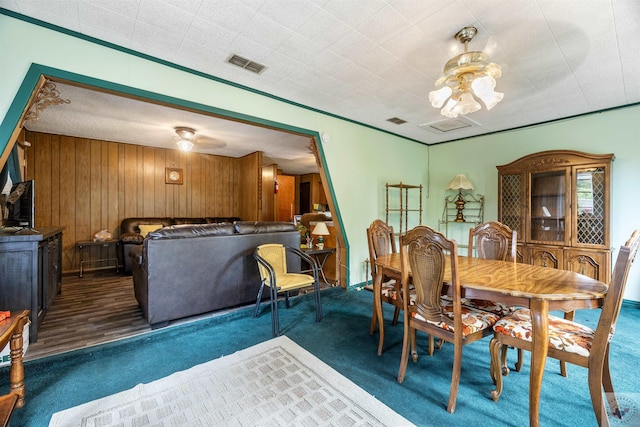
pixel 20 205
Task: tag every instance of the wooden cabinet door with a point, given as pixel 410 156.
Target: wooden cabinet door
pixel 594 264
pixel 545 256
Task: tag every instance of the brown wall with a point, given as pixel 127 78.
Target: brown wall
pixel 317 191
pixel 89 185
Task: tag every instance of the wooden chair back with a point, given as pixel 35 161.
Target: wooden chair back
pixel 423 251
pixel 613 301
pixel 381 241
pixel 493 240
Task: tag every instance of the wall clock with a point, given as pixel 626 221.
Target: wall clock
pixel 173 176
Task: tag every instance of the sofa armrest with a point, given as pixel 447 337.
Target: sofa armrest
pixel 135 253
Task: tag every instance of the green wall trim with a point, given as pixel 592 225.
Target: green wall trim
pixel 517 128
pixel 10 120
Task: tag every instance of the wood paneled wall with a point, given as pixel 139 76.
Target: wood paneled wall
pixel 89 185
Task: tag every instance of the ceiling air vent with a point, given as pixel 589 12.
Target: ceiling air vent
pixel 396 120
pixel 449 125
pixel 247 64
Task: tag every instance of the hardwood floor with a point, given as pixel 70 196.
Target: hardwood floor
pixel 97 308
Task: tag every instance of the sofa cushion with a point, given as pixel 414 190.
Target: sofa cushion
pixel 191 230
pixel 131 225
pixel 147 228
pixel 254 227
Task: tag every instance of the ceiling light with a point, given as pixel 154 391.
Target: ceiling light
pixel 464 76
pixel 185 138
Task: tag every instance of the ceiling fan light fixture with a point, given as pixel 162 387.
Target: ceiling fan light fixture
pixel 185 133
pixel 464 76
pixel 438 97
pixel 184 144
pixel 185 138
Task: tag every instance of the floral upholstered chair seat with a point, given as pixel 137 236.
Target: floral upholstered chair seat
pixel 564 334
pixel 494 307
pixel 473 319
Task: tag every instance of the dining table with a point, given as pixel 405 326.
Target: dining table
pixel 541 289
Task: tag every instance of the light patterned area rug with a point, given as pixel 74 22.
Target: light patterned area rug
pixel 274 383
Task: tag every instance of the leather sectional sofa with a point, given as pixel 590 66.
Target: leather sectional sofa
pixel 185 270
pixel 131 234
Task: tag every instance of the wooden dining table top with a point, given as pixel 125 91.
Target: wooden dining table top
pixel 511 279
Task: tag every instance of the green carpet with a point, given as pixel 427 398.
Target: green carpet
pixel 342 341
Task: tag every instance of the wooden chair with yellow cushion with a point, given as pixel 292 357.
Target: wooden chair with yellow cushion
pixel 274 274
pixel 424 253
pixel 573 342
pixel 11 332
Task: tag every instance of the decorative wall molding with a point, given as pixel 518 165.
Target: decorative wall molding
pixel 46 96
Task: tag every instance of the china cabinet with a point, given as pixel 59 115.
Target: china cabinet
pixel 558 202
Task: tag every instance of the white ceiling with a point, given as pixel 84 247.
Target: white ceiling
pixel 371 60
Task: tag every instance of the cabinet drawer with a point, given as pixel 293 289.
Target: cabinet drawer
pixel 545 256
pixel 594 264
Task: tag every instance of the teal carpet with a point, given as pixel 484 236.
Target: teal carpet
pixel 342 341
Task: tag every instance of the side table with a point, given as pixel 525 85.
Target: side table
pixel 320 256
pixel 106 244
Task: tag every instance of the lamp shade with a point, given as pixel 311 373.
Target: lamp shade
pixel 320 229
pixel 459 182
pixel 184 144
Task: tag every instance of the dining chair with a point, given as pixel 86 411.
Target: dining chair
pixel 272 264
pixel 491 240
pixel 571 341
pixel 424 253
pixel 381 241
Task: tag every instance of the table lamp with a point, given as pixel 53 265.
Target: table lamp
pixel 320 230
pixel 460 182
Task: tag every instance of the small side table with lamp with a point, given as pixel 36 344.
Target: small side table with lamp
pixel 319 252
pixel 320 230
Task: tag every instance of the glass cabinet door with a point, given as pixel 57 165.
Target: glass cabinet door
pixel 548 206
pixel 591 205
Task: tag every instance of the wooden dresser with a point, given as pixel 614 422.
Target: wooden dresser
pixel 30 272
